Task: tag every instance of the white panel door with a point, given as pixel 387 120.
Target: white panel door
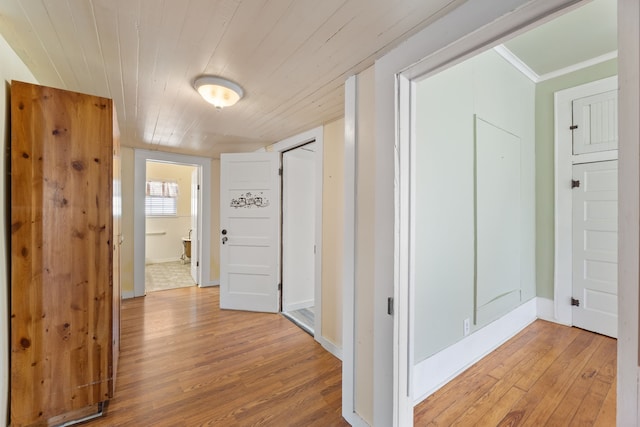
pixel 250 231
pixel 595 123
pixel 195 239
pixel 595 247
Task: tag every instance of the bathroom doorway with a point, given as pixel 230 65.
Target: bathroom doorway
pixel 171 218
pixel 200 236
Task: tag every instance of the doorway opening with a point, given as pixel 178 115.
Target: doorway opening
pixel 171 222
pixel 298 235
pixel 484 127
pixel 251 223
pixel 195 197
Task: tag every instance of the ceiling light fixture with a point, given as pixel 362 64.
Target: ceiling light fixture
pixel 218 91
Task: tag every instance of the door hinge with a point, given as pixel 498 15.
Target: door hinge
pixel 390 306
pixel 198 186
pixel 279 286
pixel 197 263
pixel 573 127
pixel 575 183
pixel 280 171
pixel 575 302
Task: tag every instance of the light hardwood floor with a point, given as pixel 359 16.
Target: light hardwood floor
pixel 548 375
pixel 184 362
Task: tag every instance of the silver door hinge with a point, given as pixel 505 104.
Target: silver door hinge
pixel 390 306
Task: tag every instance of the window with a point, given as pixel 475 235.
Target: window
pixel 161 199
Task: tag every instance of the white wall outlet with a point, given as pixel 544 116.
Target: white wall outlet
pixel 466 326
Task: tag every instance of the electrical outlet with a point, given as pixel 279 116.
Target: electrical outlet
pixel 466 325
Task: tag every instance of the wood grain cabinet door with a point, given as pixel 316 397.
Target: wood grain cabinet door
pixel 61 253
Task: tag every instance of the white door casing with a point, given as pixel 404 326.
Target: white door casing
pixel 563 201
pixel 595 247
pixel 250 231
pixel 194 235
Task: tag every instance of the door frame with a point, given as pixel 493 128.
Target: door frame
pixel 564 161
pixel 469 29
pixel 317 135
pixel 139 224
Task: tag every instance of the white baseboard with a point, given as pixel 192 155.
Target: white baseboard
pixel 210 284
pixel 546 309
pixel 160 260
pixel 329 346
pixel 298 305
pixel 354 420
pixel 127 295
pixel 434 372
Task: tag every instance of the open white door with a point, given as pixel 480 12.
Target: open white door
pixel 195 241
pixel 250 231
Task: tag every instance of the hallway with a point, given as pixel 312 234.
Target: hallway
pixel 184 362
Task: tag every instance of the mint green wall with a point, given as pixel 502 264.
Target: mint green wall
pixel 545 166
pixel 488 86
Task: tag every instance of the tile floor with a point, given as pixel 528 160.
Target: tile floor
pixel 167 275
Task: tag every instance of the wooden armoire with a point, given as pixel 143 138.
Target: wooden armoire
pixel 65 236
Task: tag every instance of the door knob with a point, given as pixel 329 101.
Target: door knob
pixel 224 240
pixel 224 232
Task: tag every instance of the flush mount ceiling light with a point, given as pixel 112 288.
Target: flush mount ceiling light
pixel 218 91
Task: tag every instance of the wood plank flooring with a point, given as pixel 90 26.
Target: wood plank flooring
pixel 548 375
pixel 184 362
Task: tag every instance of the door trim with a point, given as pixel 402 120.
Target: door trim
pixel 317 135
pixel 564 160
pixel 139 226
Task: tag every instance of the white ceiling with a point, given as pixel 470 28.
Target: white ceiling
pixel 290 56
pixel 576 37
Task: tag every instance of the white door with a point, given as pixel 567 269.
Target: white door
pixel 250 231
pixel 195 240
pixel 298 228
pixel 595 123
pixel 595 247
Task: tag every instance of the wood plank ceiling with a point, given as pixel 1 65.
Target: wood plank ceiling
pixel 290 56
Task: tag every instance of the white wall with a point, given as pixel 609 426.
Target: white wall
pixel 488 87
pixel 365 246
pixel 126 250
pixel 164 234
pixel 215 222
pixel 11 68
